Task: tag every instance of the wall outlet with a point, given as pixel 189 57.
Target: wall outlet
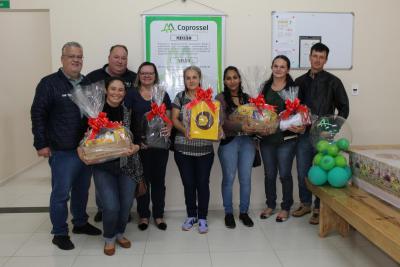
pixel 355 89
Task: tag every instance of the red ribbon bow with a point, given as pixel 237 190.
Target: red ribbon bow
pixel 203 95
pixel 101 122
pixel 157 110
pixel 293 107
pixel 260 104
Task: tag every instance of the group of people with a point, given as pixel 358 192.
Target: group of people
pixel 58 126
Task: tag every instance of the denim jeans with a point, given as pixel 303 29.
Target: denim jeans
pixel 116 193
pixel 304 156
pixel 238 155
pixel 98 201
pixel 154 162
pixel 70 179
pixel 278 158
pixel 195 174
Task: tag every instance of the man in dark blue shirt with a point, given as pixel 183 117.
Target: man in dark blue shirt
pixel 57 127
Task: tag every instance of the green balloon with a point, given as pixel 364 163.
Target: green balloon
pixel 340 161
pixel 338 177
pixel 327 162
pixel 333 150
pixel 317 158
pixel 343 144
pixel 322 146
pixel 317 176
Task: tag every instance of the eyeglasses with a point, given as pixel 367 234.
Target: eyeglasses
pixel 146 73
pixel 77 57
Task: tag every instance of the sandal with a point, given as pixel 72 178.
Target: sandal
pixel 109 249
pixel 124 242
pixel 266 213
pixel 282 216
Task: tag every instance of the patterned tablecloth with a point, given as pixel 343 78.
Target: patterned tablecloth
pixel 376 169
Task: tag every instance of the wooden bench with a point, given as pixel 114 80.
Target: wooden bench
pixel 376 220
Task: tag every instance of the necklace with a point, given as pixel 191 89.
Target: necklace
pixel 147 94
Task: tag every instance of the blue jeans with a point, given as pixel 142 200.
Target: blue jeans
pixel 116 194
pixel 278 157
pixel 98 201
pixel 195 174
pixel 304 156
pixel 238 154
pixel 70 178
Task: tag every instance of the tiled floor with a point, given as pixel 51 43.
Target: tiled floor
pixel 25 240
pixel 28 189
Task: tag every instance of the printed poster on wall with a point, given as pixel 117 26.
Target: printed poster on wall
pixel 284 37
pixel 175 42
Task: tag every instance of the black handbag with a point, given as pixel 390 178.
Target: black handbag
pixel 172 139
pixel 257 159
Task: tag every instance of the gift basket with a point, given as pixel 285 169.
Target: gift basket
pixel 257 113
pixel 202 116
pixel 264 118
pixel 156 119
pixel 295 114
pixel 105 140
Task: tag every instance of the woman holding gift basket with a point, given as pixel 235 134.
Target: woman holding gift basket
pixel 278 149
pixel 115 179
pixel 194 157
pixel 151 107
pixel 237 150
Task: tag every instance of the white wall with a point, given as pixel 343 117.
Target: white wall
pixel 373 114
pixel 24 59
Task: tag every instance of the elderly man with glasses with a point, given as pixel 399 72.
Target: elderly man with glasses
pixel 57 127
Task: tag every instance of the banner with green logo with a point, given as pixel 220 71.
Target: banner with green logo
pixel 175 42
pixel 4 3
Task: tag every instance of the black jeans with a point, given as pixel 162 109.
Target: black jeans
pixel 195 174
pixel 154 162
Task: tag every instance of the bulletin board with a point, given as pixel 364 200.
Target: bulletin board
pixel 293 34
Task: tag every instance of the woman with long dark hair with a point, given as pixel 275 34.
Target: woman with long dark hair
pixel 236 152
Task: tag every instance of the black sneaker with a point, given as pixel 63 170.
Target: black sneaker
pixel 246 220
pixel 98 217
pixel 86 229
pixel 230 221
pixel 63 242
